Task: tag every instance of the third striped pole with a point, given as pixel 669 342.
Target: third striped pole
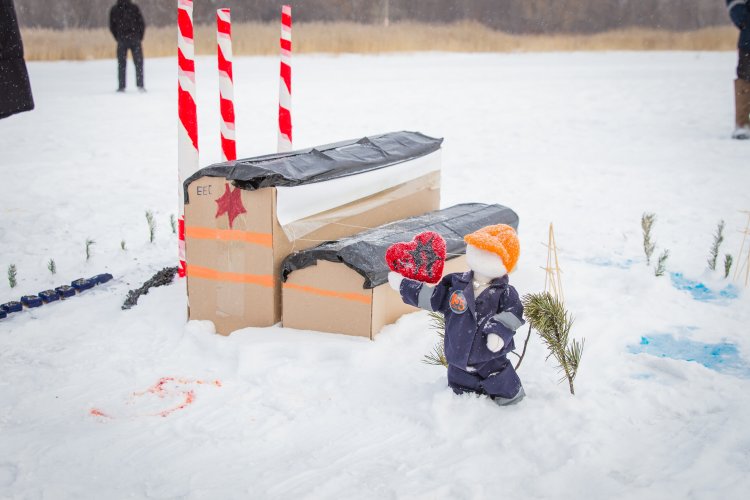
pixel 285 82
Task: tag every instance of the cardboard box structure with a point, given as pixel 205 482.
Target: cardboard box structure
pixel 242 218
pixel 341 286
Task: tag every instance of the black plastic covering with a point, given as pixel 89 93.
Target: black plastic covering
pixel 365 252
pixel 163 277
pixel 321 163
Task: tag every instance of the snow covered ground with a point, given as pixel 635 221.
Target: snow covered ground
pixel 587 141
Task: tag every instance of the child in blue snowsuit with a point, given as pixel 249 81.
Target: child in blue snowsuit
pixel 482 313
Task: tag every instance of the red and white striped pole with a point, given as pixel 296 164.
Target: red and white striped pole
pixel 285 82
pixel 187 130
pixel 226 84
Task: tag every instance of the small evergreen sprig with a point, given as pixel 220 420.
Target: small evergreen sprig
pixel 173 223
pixel 718 239
pixel 647 223
pixel 548 316
pixel 12 275
pixel 89 244
pixel 661 264
pixel 727 265
pixel 437 356
pixel 51 266
pixel 151 225
pixel 122 245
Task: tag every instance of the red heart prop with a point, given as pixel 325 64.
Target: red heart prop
pixel 421 259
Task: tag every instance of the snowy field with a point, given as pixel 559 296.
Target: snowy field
pixel 587 141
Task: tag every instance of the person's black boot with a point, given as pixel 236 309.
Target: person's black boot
pixel 742 109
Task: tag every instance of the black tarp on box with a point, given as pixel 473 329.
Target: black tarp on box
pixel 365 251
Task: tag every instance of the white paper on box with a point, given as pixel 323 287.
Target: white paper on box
pixel 299 202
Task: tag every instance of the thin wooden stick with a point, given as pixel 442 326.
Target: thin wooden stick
pixel 557 265
pixel 740 264
pixel 552 278
pixel 525 343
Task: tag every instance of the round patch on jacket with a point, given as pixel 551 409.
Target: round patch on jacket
pixel 458 302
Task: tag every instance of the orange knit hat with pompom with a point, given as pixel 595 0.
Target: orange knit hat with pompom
pixel 500 239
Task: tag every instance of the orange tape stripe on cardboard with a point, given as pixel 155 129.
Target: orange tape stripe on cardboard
pixel 354 297
pixel 207 273
pixel 207 233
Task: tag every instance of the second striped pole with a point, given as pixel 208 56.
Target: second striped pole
pixel 226 84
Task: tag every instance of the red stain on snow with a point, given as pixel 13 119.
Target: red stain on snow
pixel 169 387
pixel 96 412
pixel 159 387
pixel 189 398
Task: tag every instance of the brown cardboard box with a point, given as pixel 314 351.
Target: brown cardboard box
pixel 331 297
pixel 340 286
pixel 233 266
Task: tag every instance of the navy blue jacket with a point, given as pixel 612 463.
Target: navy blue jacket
pixel 740 14
pixel 468 320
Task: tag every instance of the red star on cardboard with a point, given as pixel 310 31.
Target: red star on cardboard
pixel 230 203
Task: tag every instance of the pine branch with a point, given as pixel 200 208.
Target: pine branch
pixel 151 225
pixel 437 356
pixel 12 274
pixel 51 266
pixel 89 244
pixel 573 355
pixel 547 315
pixel 727 265
pixel 437 323
pixel 661 265
pixel 718 239
pixel 647 223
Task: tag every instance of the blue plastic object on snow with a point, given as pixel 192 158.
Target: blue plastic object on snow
pixel 31 301
pixel 65 291
pixel 49 296
pixel 723 357
pixel 12 307
pixel 83 284
pixel 701 292
pixel 101 278
pixel 607 262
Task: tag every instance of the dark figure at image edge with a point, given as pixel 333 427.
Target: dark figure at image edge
pixel 15 90
pixel 127 26
pixel 739 11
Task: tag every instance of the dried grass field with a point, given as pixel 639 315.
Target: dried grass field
pixel 345 37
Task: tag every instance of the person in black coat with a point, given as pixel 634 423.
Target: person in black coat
pixel 127 26
pixel 15 90
pixel 739 12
